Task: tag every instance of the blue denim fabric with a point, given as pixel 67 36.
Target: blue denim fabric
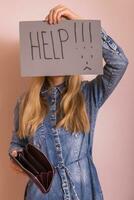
pixel 76 176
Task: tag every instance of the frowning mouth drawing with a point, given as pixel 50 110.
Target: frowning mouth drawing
pixel 87 68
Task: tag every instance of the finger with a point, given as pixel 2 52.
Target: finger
pixel 61 13
pixel 55 11
pixel 20 172
pixel 55 14
pixel 14 153
pixel 16 167
pixel 50 16
pixel 50 19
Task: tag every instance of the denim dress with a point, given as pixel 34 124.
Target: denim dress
pixel 76 177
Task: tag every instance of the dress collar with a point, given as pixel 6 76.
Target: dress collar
pixel 60 87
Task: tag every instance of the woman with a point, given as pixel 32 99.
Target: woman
pixel 58 115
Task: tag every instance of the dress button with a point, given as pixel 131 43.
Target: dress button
pixel 76 135
pixel 53 100
pixel 57 147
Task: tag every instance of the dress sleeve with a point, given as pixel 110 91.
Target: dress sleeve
pixel 16 142
pixel 115 66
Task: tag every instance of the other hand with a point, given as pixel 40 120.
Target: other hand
pixel 14 166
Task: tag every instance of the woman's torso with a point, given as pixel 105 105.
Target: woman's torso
pixel 76 177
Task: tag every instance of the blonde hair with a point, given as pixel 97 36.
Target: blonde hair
pixel 72 109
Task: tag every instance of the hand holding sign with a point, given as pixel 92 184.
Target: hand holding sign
pixel 57 12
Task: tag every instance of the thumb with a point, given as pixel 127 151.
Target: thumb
pixel 14 153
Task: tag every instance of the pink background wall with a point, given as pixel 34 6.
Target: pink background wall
pixel 113 141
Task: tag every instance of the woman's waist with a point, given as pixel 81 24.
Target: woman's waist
pixel 73 161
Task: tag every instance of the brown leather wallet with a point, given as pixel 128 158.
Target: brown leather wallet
pixel 36 165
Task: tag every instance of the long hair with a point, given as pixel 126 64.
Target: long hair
pixel 72 109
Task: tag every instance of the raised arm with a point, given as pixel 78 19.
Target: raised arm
pixel 116 63
pixel 16 143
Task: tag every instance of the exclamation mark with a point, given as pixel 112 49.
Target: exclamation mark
pixel 75 35
pixel 90 32
pixel 90 36
pixel 82 32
